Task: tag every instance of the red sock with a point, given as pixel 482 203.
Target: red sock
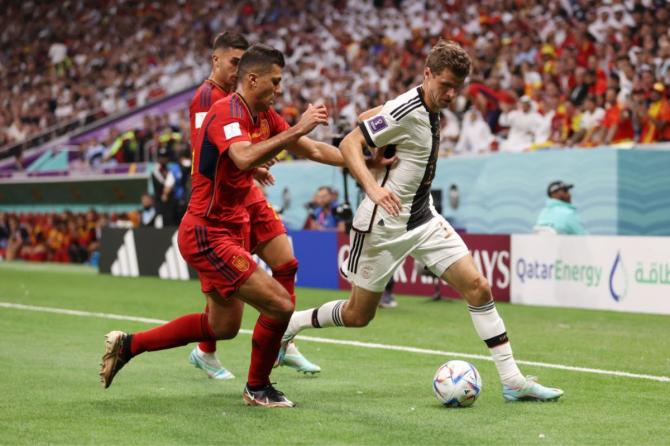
pixel 207 346
pixel 285 274
pixel 189 328
pixel 265 344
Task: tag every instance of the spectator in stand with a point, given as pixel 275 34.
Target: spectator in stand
pixel 449 131
pixel 581 86
pixel 591 119
pixel 16 237
pixel 124 149
pixel 524 124
pixel 475 137
pixel 656 123
pixel 617 125
pixel 559 215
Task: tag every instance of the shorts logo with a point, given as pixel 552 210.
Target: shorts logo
pixel 377 124
pixel 366 271
pixel 241 263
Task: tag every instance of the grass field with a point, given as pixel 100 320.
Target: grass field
pixel 51 394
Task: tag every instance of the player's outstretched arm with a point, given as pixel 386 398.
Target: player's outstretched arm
pixel 318 151
pixel 246 155
pixel 352 151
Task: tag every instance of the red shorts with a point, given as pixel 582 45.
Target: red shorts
pixel 265 223
pixel 219 254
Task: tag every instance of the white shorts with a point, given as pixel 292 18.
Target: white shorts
pixel 374 256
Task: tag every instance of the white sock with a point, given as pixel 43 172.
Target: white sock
pixel 327 315
pixel 491 329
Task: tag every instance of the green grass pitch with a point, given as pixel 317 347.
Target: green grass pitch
pixel 51 394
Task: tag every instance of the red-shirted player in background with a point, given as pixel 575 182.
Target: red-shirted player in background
pixel 239 133
pixel 268 235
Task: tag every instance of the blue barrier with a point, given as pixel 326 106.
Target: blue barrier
pixel 316 252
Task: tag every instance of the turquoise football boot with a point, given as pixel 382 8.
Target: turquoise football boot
pixel 532 391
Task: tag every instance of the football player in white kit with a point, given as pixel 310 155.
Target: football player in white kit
pixel 397 219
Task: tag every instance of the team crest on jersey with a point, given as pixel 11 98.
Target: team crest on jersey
pixel 377 124
pixel 263 132
pixel 240 263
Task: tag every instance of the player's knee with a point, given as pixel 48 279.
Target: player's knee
pixel 282 306
pixel 479 291
pixel 224 332
pixel 223 329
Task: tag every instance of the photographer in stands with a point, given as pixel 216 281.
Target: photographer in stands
pixel 325 213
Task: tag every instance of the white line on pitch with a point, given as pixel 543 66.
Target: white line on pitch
pixel 399 348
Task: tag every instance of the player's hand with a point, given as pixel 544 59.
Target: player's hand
pixel 270 163
pixel 386 199
pixel 313 116
pixel 379 160
pixel 264 177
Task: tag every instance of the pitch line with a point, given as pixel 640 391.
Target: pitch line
pixel 372 345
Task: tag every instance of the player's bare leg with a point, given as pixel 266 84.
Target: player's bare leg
pixel 357 311
pixel 224 313
pixel 473 286
pixel 274 303
pixel 278 254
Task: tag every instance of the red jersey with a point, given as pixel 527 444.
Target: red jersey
pixel 206 95
pixel 221 191
pixel 203 99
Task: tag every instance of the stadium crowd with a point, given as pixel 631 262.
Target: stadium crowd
pixel 570 72
pixel 54 237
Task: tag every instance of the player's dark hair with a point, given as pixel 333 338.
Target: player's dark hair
pixel 229 39
pixel 259 58
pixel 449 54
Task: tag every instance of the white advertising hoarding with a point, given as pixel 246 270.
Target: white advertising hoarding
pixel 599 272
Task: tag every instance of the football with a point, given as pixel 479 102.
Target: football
pixel 457 384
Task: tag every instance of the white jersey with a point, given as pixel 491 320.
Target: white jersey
pixel 406 126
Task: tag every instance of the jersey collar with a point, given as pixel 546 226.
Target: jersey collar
pixel 216 84
pixel 419 90
pixel 244 102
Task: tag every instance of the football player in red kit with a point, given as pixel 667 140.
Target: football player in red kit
pixel 268 235
pixel 238 134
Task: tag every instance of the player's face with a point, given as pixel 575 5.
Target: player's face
pixel 224 63
pixel 268 87
pixel 442 88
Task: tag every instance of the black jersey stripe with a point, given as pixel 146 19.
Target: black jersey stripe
pixel 352 252
pixel 366 134
pixel 408 111
pixel 358 253
pixel 409 103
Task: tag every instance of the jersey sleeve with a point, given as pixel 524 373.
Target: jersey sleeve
pixel 383 129
pixel 226 130
pixel 197 111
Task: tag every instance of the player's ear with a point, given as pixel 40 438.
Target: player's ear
pixel 253 79
pixel 426 72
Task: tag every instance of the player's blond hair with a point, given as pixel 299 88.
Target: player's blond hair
pixel 449 54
